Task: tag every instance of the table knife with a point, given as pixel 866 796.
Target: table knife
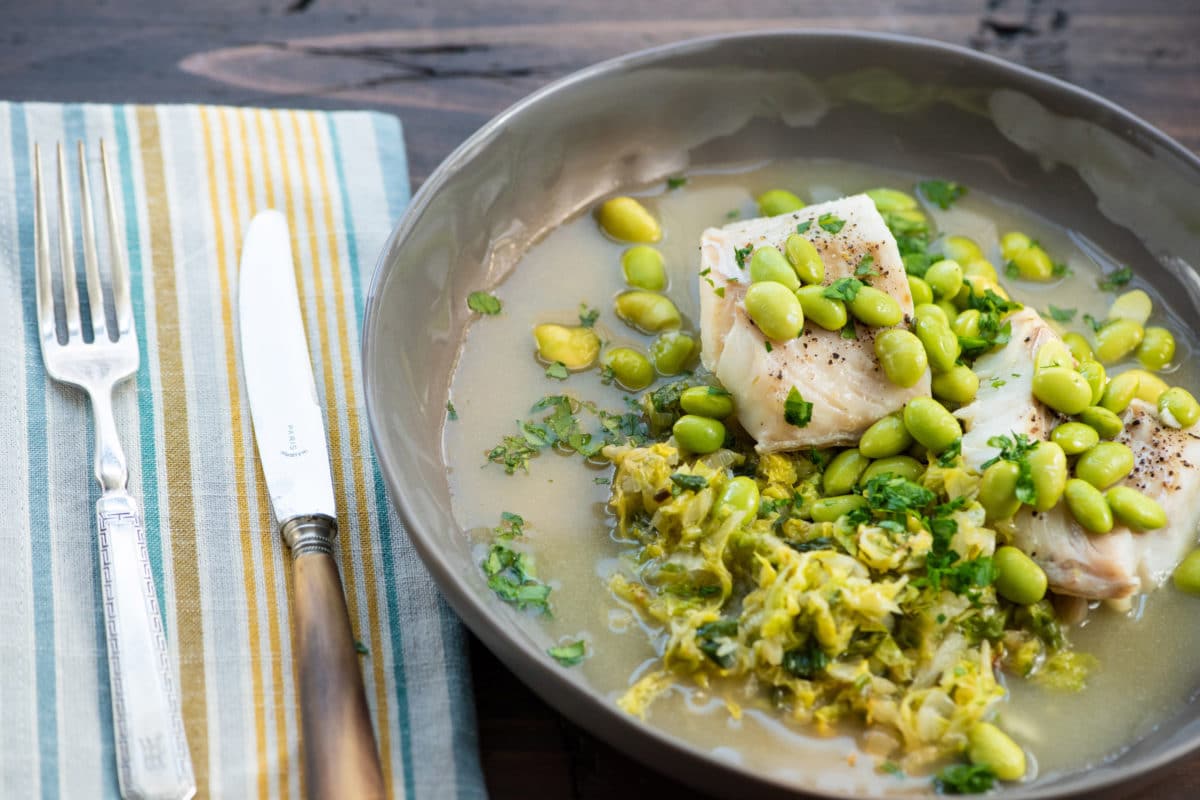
pixel 340 756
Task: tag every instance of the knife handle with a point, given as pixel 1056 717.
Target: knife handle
pixel 340 756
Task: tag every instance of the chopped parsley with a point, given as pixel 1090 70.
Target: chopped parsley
pixel 991 308
pixel 806 662
pixel 691 483
pixel 804 226
pixel 513 453
pixel 1061 270
pixel 740 254
pixel 588 316
pixel 1061 314
pixel 892 768
pixel 510 573
pixel 844 289
pixel 1011 270
pixel 831 222
pixel 676 181
pixel 864 268
pixel 732 213
pixel 1116 280
pixel 943 194
pixel 1092 322
pixel 1016 448
pixel 558 370
pixel 998 382
pixel 451 412
pixel 849 331
pixel 949 456
pixel 561 428
pixel 569 654
pixel 712 637
pixel 964 779
pixel 484 303
pixel 797 411
pixel 767 344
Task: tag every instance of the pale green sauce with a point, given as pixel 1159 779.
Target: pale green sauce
pixel 1148 670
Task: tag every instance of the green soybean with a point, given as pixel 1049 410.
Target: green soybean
pixel 827 312
pixel 1135 510
pixel 1079 347
pixel 920 290
pixel 945 277
pixel 1179 406
pixel 1063 389
pixel 940 343
pixel 960 249
pixel 698 434
pixel 707 401
pixel 647 311
pixel 905 467
pixel 1187 574
pixel 966 323
pixel 875 308
pixel 1033 264
pixel 631 369
pixel 1106 423
pixel 830 509
pixel 1118 339
pixel 1150 386
pixel 1018 577
pixel 671 352
pixel 886 437
pixel 1093 373
pixel 948 308
pixel 979 268
pixel 739 495
pixel 991 747
pixel 768 264
pixel 1012 243
pixel 628 220
pixel 1075 437
pixel 932 310
pixel 778 201
pixel 931 424
pixel 804 258
pixel 959 384
pixel 1088 506
pixel 1157 348
pixel 886 200
pixel 1053 353
pixel 998 491
pixel 902 356
pixel 576 347
pixel 1132 305
pixel 1104 464
pixel 1048 463
pixel 1119 392
pixel 775 310
pixel 843 472
pixel 643 268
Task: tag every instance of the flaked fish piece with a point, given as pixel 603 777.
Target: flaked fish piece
pixel 841 377
pixel 1166 467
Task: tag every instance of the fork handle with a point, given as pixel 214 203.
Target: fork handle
pixel 152 754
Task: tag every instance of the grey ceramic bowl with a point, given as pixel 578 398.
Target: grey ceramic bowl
pixel 897 102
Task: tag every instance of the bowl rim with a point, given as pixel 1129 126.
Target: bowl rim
pixel 567 693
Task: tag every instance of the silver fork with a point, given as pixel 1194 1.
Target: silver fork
pixel 152 753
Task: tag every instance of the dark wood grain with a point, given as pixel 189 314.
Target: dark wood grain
pixel 447 66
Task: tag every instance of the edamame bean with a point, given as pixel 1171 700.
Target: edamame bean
pixel 1075 437
pixel 1088 506
pixel 628 220
pixel 960 249
pixel 1133 305
pixel 671 352
pixel 643 268
pixel 1157 348
pixel 698 434
pixel 875 308
pixel 907 220
pixel 843 472
pixel 804 258
pixel 980 286
pixel 647 311
pixel 886 437
pixel 1048 463
pixel 989 746
pixel 778 201
pixel 1178 408
pixel 1135 510
pixel 576 347
pixel 920 290
pixel 1187 574
pixel 1150 386
pixel 931 424
pixel 945 278
pixel 631 369
pixel 1093 373
pixel 1081 351
pixel 740 495
pixel 827 312
pixel 1012 243
pixel 891 199
pixel 1053 353
pixel 1119 392
pixel 959 384
pixel 707 401
pixel 830 509
pixel 1104 464
pixel 967 322
pixel 768 264
pixel 980 268
pixel 775 310
pixel 902 356
pixel 932 310
pixel 1106 423
pixel 905 467
pixel 1033 264
pixel 940 343
pixel 1063 389
pixel 948 307
pixel 998 491
pixel 1018 577
pixel 1118 339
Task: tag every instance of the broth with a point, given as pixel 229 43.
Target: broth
pixel 1146 670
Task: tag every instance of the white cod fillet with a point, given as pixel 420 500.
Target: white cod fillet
pixel 840 377
pixel 1166 467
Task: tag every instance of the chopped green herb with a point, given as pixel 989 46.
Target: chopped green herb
pixel 943 194
pixel 796 411
pixel 484 303
pixel 863 269
pixel 588 316
pixel 767 344
pixel 719 291
pixel 1016 448
pixel 804 226
pixel 558 370
pixel 964 779
pixel 1092 322
pixel 451 412
pixel 892 768
pixel 510 573
pixel 740 254
pixel 1061 314
pixel 1061 270
pixel 712 637
pixel 888 492
pixel 600 480
pixel 676 181
pixel 717 391
pixel 1011 270
pixel 568 654
pixel 831 223
pixel 691 483
pixel 949 456
pixel 844 289
pixel 806 662
pixel 1114 281
pixel 998 382
pixel 513 453
pixel 849 331
pixel 733 213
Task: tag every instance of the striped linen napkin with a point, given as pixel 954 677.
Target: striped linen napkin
pixel 190 180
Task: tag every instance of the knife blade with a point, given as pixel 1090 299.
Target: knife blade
pixel 340 756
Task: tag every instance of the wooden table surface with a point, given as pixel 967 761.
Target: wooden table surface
pixel 447 66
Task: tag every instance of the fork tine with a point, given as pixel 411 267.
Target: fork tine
pixel 120 263
pixel 66 248
pixel 90 260
pixel 45 286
